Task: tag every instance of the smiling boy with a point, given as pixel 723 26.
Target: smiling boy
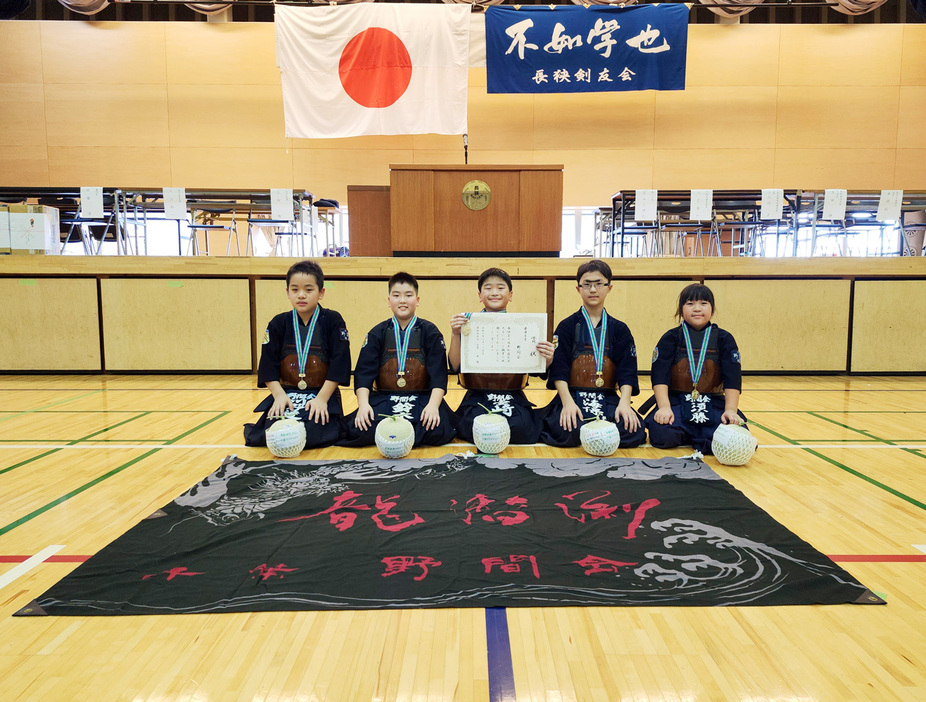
pixel 402 370
pixel 499 392
pixel 305 357
pixel 595 355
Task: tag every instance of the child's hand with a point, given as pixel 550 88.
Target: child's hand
pixel 625 414
pixel 730 417
pixel 457 322
pixel 545 349
pixel 280 405
pixel 364 418
pixel 317 410
pixel 570 417
pixel 664 416
pixel 430 417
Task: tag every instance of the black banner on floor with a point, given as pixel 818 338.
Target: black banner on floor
pixel 452 532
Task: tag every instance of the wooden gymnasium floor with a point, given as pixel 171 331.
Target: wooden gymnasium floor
pixel 82 459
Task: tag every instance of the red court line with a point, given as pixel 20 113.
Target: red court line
pixel 879 559
pixel 51 559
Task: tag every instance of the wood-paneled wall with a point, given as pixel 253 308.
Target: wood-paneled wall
pixel 176 325
pixel 199 105
pixel 809 315
pixel 49 324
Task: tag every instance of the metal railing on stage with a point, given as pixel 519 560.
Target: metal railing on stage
pixel 216 210
pixel 128 212
pixel 736 228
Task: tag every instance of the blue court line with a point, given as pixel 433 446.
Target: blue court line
pixel 498 647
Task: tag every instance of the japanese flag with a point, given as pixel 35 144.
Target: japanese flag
pixel 373 68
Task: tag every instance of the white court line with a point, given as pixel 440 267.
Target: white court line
pixel 85 446
pixel 28 565
pixel 921 547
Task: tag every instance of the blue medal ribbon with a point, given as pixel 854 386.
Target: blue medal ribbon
pixel 695 369
pixel 302 349
pixel 401 347
pixel 597 345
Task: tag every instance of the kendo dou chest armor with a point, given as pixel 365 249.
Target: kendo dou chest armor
pixel 416 372
pixel 493 381
pixel 711 380
pixel 316 366
pixel 582 373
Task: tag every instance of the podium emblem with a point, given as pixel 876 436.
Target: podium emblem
pixel 476 195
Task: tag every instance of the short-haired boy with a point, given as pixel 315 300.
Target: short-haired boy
pixel 497 392
pixel 401 370
pixel 595 354
pixel 304 358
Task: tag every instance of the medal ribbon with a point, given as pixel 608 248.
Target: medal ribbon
pixel 696 371
pixel 401 346
pixel 597 346
pixel 302 350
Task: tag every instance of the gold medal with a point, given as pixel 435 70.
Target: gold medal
pixel 466 329
pixel 599 381
pixel 400 382
pixel 695 394
pixel 302 385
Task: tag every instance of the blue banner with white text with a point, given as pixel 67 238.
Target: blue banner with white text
pixel 581 50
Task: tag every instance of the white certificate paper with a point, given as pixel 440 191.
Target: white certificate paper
pixel 503 343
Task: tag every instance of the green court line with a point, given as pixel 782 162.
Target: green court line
pixel 846 468
pixel 53 404
pixel 871 411
pixel 71 443
pixel 761 411
pixel 101 478
pixel 915 452
pixel 894 442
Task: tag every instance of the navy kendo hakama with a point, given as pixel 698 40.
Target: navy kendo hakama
pixel 695 420
pixel 329 359
pixel 496 392
pixel 425 369
pixel 574 362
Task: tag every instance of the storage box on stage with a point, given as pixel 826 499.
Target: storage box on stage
pixel 4 229
pixel 34 229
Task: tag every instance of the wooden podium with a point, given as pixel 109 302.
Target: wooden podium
pixel 429 216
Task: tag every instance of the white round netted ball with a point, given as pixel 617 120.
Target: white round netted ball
pixel 286 438
pixel 395 437
pixel 491 433
pixel 600 437
pixel 733 445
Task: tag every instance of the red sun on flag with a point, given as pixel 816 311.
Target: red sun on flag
pixel 375 68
